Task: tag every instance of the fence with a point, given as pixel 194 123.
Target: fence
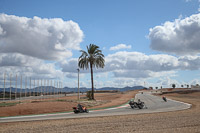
pixel 21 87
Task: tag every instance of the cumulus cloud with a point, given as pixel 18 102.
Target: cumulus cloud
pixel 28 66
pixel 131 74
pixel 14 59
pixel 190 62
pixel 141 61
pixel 120 46
pixel 49 39
pixel 139 65
pixel 179 37
pixel 136 66
pixel 70 65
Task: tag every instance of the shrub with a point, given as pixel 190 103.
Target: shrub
pixel 89 95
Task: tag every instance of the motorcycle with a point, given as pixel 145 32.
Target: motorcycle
pixel 164 98
pixel 80 109
pixel 139 104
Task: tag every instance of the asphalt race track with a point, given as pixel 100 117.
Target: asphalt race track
pixel 154 104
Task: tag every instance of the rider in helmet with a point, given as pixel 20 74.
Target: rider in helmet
pixel 139 101
pixel 80 107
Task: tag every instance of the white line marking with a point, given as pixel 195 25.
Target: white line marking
pixel 31 116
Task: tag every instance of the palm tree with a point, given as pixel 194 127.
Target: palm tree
pixel 92 58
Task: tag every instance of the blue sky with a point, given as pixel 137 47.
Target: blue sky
pixel 161 56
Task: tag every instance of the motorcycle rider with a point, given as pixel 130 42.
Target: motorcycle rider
pixel 139 101
pixel 81 108
pixel 140 104
pixel 164 98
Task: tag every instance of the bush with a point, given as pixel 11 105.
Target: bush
pixel 89 95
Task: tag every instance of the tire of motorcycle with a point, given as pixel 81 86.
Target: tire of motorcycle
pixel 132 106
pixel 140 106
pixel 86 110
pixel 145 107
pixel 76 111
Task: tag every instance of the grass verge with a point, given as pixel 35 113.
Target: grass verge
pixel 4 104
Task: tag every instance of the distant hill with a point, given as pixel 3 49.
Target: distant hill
pixel 67 89
pixel 122 89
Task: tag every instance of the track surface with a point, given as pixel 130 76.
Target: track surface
pixel 153 103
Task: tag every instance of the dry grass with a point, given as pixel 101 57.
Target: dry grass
pixel 65 104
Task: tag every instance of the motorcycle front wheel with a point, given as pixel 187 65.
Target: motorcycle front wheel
pixel 76 112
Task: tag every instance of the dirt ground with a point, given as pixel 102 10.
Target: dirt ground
pixel 185 121
pixel 65 104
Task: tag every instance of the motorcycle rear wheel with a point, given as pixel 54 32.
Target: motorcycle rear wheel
pixel 86 110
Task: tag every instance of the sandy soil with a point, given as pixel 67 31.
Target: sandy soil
pixel 185 121
pixel 64 104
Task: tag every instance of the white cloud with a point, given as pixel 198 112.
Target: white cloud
pixel 117 82
pixel 123 67
pixel 49 39
pixel 120 46
pixel 70 65
pixel 190 62
pixel 14 59
pixel 139 65
pixel 167 81
pixel 180 37
pixel 28 66
pixel 142 74
pixel 140 61
pixel 1 31
pixel 132 74
pixel 102 75
pixel 194 82
pixel 71 75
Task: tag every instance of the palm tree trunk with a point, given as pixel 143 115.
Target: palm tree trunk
pixel 92 81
